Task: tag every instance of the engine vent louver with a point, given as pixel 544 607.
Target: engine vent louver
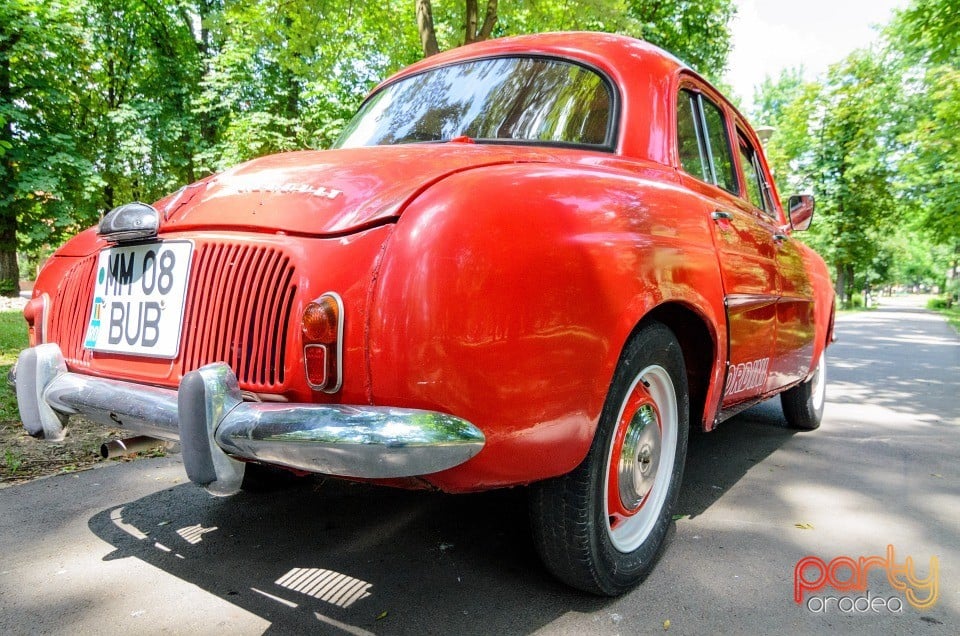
pixel 238 310
pixel 71 311
pixel 242 317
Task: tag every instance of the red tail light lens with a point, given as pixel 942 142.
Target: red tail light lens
pixel 322 328
pixel 315 359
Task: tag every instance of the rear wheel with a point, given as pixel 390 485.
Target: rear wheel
pixel 600 528
pixel 803 404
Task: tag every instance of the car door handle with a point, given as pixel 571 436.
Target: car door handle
pixel 717 215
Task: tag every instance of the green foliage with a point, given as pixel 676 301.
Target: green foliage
pixel 108 101
pixel 928 31
pixel 931 161
pixel 13 339
pixel 836 139
pixel 948 308
pixel 855 302
pixel 288 75
pixel 12 460
pixel 790 106
pixel 875 140
pixel 940 302
pixel 696 32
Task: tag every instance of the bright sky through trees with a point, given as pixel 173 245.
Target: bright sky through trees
pixel 771 35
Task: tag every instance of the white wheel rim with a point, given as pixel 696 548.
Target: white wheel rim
pixel 642 465
pixel 818 388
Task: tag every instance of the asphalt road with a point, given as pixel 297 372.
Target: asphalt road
pixel 135 548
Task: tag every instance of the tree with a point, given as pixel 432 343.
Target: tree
pixel 697 33
pixel 9 272
pixel 927 35
pixel 289 73
pixel 928 31
pixel 789 105
pixel 42 166
pixel 838 138
pixel 854 166
pixel 107 101
pixel 474 29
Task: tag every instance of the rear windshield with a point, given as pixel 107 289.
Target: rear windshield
pixel 512 99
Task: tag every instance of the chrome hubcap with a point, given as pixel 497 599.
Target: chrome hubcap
pixel 639 458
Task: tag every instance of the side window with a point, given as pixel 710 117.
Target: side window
pixel 693 155
pixel 719 146
pixel 757 191
pixel 702 140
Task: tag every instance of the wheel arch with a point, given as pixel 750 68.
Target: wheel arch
pixel 699 344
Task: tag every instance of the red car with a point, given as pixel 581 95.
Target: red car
pixel 530 261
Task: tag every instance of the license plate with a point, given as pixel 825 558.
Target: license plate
pixel 138 299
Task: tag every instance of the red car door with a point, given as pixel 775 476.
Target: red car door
pixel 793 349
pixel 744 240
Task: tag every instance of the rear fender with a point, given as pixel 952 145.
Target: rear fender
pixel 506 295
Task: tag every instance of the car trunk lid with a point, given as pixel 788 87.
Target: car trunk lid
pixel 329 192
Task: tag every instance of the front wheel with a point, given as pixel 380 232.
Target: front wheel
pixel 803 404
pixel 601 527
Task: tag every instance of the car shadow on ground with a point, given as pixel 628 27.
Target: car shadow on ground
pixel 338 556
pixel 719 459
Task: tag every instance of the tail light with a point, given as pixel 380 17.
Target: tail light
pixel 322 327
pixel 36 313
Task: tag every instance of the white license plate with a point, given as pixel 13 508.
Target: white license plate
pixel 138 299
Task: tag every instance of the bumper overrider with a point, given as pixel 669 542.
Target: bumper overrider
pixel 216 429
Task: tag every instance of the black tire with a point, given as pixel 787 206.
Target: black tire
pixel 604 536
pixel 803 404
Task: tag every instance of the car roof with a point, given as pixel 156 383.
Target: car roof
pixel 604 50
pixel 642 73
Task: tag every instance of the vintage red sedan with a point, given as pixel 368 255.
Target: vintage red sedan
pixel 530 261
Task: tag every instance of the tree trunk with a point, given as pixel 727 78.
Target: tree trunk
pixel 471 22
pixel 473 33
pixel 848 279
pixel 291 104
pixel 841 286
pixel 428 35
pixel 489 21
pixel 9 270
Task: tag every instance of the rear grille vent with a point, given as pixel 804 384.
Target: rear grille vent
pixel 71 310
pixel 238 310
pixel 240 301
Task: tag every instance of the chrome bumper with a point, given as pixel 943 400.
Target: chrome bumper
pixel 215 427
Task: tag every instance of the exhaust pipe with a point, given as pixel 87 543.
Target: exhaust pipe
pixel 131 446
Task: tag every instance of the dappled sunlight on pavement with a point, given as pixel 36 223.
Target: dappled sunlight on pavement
pixel 134 548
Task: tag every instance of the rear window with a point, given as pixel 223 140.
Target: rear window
pixel 511 99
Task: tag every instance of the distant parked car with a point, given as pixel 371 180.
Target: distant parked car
pixel 530 261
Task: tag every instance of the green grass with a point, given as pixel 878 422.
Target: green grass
pixel 12 460
pixel 950 310
pixel 952 315
pixel 13 340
